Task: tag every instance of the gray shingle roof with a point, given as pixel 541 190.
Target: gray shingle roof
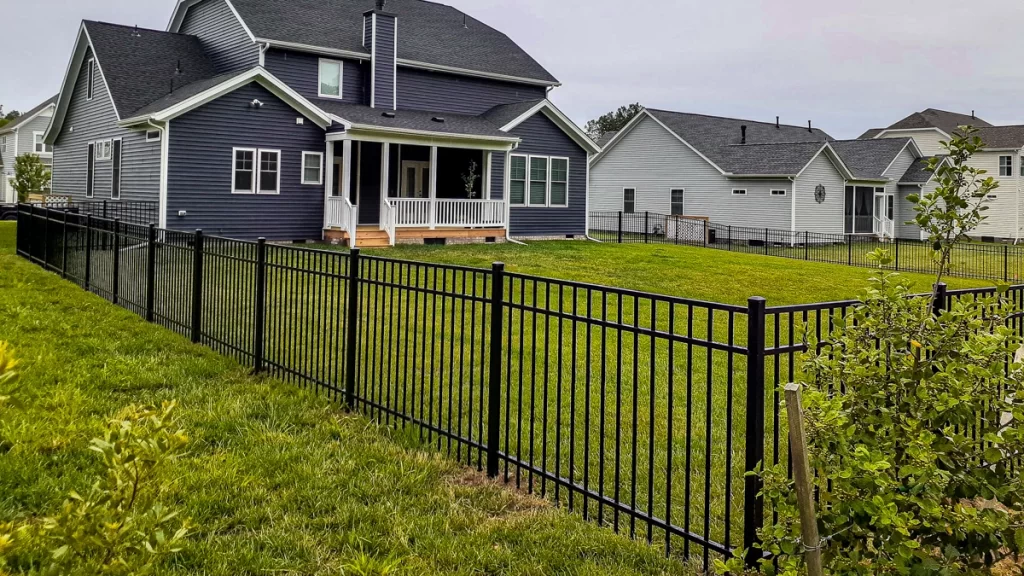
pixel 870 134
pixel 504 113
pixel 941 119
pixel 606 138
pixel 142 66
pixel 186 92
pixel 26 116
pixel 413 120
pixel 868 159
pixel 427 32
pixel 995 137
pixel 719 140
pixel 918 172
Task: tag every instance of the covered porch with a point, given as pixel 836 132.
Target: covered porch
pixel 386 189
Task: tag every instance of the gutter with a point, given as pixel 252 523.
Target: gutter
pixel 165 146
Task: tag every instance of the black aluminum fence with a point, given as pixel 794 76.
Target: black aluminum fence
pixel 140 213
pixel 640 412
pixel 986 261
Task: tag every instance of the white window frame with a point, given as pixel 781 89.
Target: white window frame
pixel 777 192
pixel 104 150
pixel 259 172
pixel 120 169
pixel 1009 169
pixel 341 78
pixel 90 91
pixel 670 202
pixel 150 138
pixel 90 170
pixel 633 188
pixel 44 153
pixel 739 191
pixel 320 170
pixel 547 183
pixel 234 170
pixel 3 144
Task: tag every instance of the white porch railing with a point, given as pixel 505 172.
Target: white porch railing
pixel 341 213
pixel 388 215
pixel 424 212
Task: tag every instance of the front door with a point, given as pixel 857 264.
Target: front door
pixel 415 179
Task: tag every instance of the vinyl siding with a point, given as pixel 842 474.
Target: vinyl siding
pixel 301 72
pixel 222 36
pixel 384 63
pixel 899 167
pixel 926 140
pixel 7 158
pixel 497 176
pixel 201 163
pixel 440 92
pixel 905 211
pixel 543 137
pixel 1003 214
pixel 91 120
pixel 827 217
pixel 26 141
pixel 654 162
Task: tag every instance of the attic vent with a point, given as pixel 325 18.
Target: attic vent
pixel 777 125
pixel 809 128
pixel 388 114
pixel 381 3
pixel 135 33
pixel 437 119
pixel 743 134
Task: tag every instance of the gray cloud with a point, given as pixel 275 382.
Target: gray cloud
pixel 847 66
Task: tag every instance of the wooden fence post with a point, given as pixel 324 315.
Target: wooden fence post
pixel 802 479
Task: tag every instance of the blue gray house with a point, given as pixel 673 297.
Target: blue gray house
pixel 23 135
pixel 350 120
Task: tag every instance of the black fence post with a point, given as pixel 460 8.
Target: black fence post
pixel 46 238
pixel 753 503
pixel 620 227
pixel 197 287
pixel 88 252
pixel 104 208
pixel 807 245
pixel 151 274
pixel 849 251
pixel 116 281
pixel 941 299
pixel 766 241
pixel 730 237
pixel 352 327
pixel 494 380
pixel 647 227
pixel 707 231
pixel 1006 263
pixel 896 261
pixel 64 247
pixel 261 303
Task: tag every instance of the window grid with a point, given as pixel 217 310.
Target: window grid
pixel 677 202
pixel 312 168
pixel 629 200
pixel 739 192
pixel 538 181
pixel 1006 165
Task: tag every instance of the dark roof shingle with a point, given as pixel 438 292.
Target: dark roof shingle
pixel 27 116
pixel 869 159
pixel 941 119
pixel 504 113
pixel 918 173
pixel 427 32
pixel 773 159
pixel 142 66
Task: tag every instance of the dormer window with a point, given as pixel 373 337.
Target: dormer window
pixel 330 78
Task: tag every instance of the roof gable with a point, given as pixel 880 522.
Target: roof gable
pixel 429 33
pixel 871 159
pixel 941 119
pixel 28 116
pixel 508 116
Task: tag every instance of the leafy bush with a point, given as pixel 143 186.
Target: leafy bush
pixel 914 414
pixel 31 177
pixel 119 526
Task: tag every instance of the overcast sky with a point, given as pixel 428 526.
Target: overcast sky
pixel 848 66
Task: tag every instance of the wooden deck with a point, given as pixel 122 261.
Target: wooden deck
pixel 374 237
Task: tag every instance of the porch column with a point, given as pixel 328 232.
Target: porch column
pixel 346 171
pixel 328 179
pixel 385 157
pixel 433 187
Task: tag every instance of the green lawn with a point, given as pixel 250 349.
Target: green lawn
pixel 277 480
pixel 691 272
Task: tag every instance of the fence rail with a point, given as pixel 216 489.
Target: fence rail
pixel 986 261
pixel 640 412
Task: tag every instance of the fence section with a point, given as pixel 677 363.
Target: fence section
pixel 987 261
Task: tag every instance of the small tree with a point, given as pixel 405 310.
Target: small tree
pixel 31 176
pixel 915 418
pixel 470 178
pixel 612 121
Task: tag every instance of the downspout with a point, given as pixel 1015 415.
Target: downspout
pixel 586 232
pixel 792 215
pixel 263 54
pixel 165 147
pixel 1020 161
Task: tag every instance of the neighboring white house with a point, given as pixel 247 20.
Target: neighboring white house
pixel 756 174
pixel 23 136
pixel 1003 159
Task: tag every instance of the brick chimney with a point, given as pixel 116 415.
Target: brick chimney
pixel 380 37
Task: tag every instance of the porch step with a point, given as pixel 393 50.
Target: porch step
pixel 421 233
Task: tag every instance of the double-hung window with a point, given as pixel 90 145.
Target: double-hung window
pixel 256 171
pixel 39 146
pixel 538 181
pixel 3 144
pixel 677 202
pixel 330 78
pixel 115 172
pixel 629 200
pixel 1006 165
pixel 312 168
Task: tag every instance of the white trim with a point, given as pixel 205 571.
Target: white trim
pixel 158 137
pixel 624 188
pixel 560 119
pixel 423 138
pixel 833 157
pixel 433 187
pixel 320 158
pixel 551 181
pixel 670 202
pixel 165 149
pixel 373 58
pixel 107 144
pixel 359 171
pixel 773 191
pixel 120 168
pixel 44 153
pixel 487 174
pixel 179 12
pixel 257 74
pixel 90 162
pixel 903 130
pixel 240 21
pixel 320 82
pixel 259 171
pixel 318 50
pixel 475 73
pixel 394 69
pixel 346 168
pixel 67 86
pixel 910 141
pixel 635 121
pixel 16 124
pixel 90 75
pixel 739 191
pixel 792 207
pixel 234 170
pixel 1000 164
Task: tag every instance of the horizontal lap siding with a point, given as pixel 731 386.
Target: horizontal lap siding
pixel 440 92
pixel 301 72
pixel 201 164
pixel 91 120
pixel 497 176
pixel 1001 218
pixel 905 211
pixel 26 140
pixel 222 36
pixel 543 137
pixel 825 217
pixel 654 162
pixel 899 167
pixel 926 140
pixel 384 63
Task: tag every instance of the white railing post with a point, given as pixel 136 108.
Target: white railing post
pixel 433 187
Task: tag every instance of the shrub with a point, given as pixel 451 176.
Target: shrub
pixel 31 176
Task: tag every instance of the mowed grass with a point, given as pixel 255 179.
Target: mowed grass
pixel 691 272
pixel 276 479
